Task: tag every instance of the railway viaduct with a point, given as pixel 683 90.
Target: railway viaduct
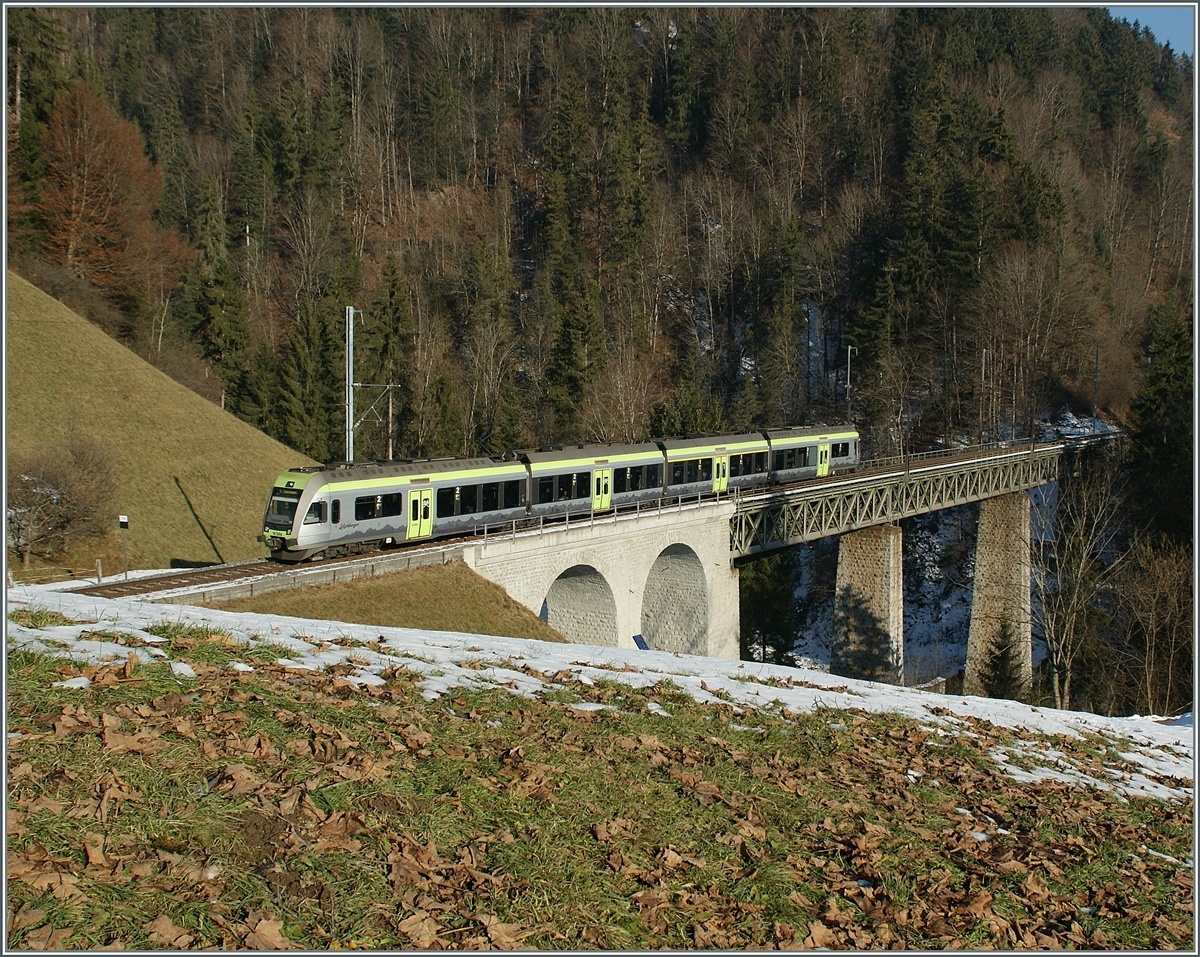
pixel 667 577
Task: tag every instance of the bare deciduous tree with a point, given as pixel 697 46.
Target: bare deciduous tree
pixel 1074 561
pixel 57 497
pixel 1157 615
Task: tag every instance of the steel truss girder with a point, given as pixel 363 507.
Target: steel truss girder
pixel 803 514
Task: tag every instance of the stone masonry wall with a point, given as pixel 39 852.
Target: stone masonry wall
pixel 868 632
pixel 1001 600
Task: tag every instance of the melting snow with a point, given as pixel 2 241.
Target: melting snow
pixel 1152 757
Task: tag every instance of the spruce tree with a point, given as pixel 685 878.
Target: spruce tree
pixel 307 399
pixel 1162 432
pixel 384 353
pixel 214 306
pixel 1001 674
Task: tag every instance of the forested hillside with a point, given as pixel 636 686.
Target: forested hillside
pixel 601 223
pixel 590 223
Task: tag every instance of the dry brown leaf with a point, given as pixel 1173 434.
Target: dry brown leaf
pixel 46 938
pixel 819 936
pixel 981 905
pixel 503 936
pixel 290 801
pixel 13 825
pixel 267 935
pixel 143 742
pixel 239 779
pixel 1035 889
pixel 93 845
pixel 163 930
pixel 43 803
pixel 26 917
pixel 421 929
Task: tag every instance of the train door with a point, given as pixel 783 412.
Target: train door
pixel 822 459
pixel 720 473
pixel 601 489
pixel 420 513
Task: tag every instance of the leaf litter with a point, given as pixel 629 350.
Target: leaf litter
pixel 286 808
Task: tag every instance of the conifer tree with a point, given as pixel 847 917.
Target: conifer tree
pixel 215 309
pixel 384 354
pixel 308 401
pixel 1162 425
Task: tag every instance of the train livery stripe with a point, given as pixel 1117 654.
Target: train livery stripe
pixel 704 451
pixel 472 477
pixel 575 465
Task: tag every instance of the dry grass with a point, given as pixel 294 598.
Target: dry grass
pixel 192 478
pixel 440 597
pixel 279 808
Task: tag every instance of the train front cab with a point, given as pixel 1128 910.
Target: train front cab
pixel 294 521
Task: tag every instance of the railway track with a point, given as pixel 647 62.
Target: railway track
pixel 194 580
pixel 182 578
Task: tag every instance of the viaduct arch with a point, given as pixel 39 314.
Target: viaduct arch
pixel 665 576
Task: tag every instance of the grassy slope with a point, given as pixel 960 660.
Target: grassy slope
pixel 440 597
pixel 169 446
pixel 249 810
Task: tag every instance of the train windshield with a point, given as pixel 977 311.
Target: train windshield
pixel 281 510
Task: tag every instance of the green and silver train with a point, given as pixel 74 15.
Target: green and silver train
pixel 349 508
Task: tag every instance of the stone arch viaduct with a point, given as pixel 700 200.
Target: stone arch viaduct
pixel 665 577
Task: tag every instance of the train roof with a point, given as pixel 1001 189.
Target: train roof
pixel 584 454
pixel 354 471
pixel 810 432
pixel 714 440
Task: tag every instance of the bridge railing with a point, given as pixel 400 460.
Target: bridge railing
pixel 890 461
pixel 906 458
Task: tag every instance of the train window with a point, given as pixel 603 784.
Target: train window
pixel 735 466
pixel 779 461
pixel 760 462
pixel 840 450
pixel 693 470
pixel 336 514
pixel 636 478
pixel 366 508
pixel 802 458
pixel 653 476
pixel 677 469
pixel 583 484
pixel 416 517
pixel 391 505
pixel 281 510
pixel 545 489
pixel 468 500
pixel 445 502
pixel 564 486
pixel 598 484
pixel 490 498
pixel 620 480
pixel 706 467
pixel 514 494
pixel 315 514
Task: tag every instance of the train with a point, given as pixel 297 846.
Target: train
pixel 348 508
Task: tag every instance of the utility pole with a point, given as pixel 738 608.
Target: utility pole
pixel 982 382
pixel 849 349
pixel 350 311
